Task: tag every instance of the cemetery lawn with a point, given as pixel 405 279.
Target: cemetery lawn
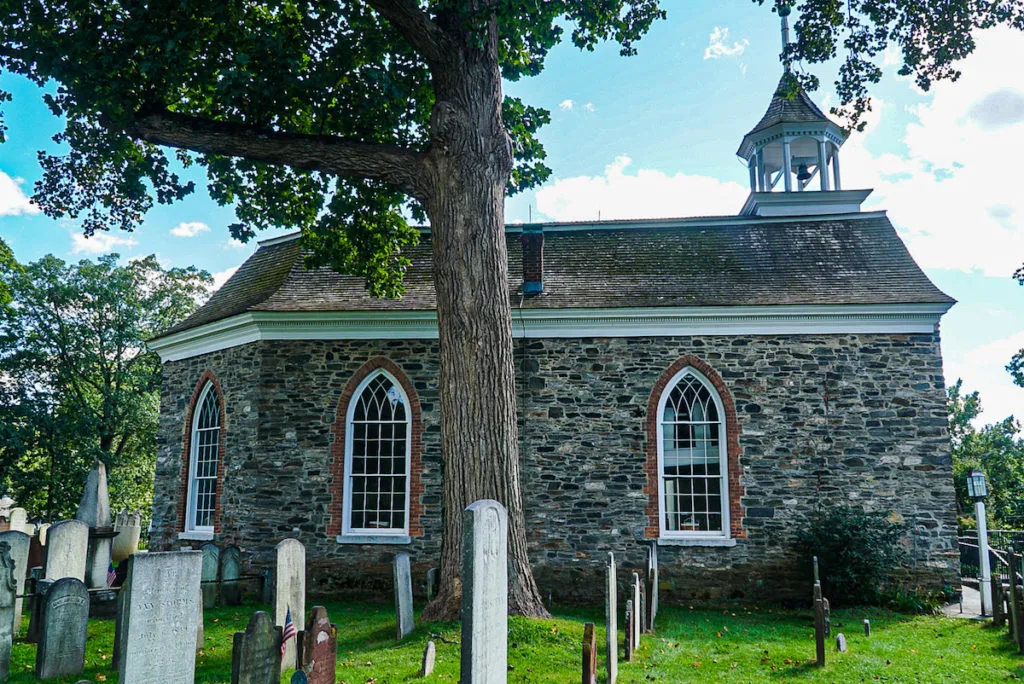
pixel 692 645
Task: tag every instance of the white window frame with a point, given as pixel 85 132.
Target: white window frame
pixel 190 510
pixel 375 534
pixel 723 441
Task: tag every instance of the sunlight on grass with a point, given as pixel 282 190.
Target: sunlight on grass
pixel 692 645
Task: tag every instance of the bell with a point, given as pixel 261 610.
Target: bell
pixel 802 174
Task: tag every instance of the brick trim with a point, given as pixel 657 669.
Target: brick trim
pixel 733 449
pixel 186 450
pixel 336 508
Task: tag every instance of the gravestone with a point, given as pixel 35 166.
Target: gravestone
pixel 230 571
pixel 266 585
pixel 256 657
pixel 19 519
pixel 94 511
pixel 8 591
pixel 42 533
pixel 67 544
pixel 129 528
pixel 819 623
pixel 403 596
pixel 200 628
pixel 19 544
pixel 828 616
pixel 320 648
pixel 156 628
pixel 867 628
pixel 40 587
pixel 211 565
pixel 627 625
pixel 290 591
pixel 841 642
pixel 589 654
pixel 431 583
pixel 637 610
pixel 652 585
pixel 484 593
pixel 63 627
pixel 429 660
pixel 611 617
pixel 6 504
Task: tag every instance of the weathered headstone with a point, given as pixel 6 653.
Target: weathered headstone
pixel 589 654
pixel 652 585
pixel 867 628
pixel 35 622
pixel 484 593
pixel 19 544
pixel 630 618
pixel 230 571
pixel 290 591
pixel 431 583
pixel 828 616
pixel 63 627
pixel 998 617
pixel 429 660
pixel 841 642
pixel 256 657
pixel 8 591
pixel 43 532
pixel 403 596
pixel 200 627
pixel 637 612
pixel 19 519
pixel 266 586
pixel 129 528
pixel 211 565
pixel 158 617
pixel 94 511
pixel 6 504
pixel 67 544
pixel 819 623
pixel 320 648
pixel 611 616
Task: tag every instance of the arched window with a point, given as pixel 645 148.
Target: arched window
pixel 203 456
pixel 377 454
pixel 692 459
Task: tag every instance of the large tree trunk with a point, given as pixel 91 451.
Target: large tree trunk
pixel 469 165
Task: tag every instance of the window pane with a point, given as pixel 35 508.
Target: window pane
pixel 203 458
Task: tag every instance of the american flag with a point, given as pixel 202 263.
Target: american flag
pixel 289 630
pixel 111 575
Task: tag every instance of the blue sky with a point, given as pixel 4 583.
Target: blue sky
pixel 656 134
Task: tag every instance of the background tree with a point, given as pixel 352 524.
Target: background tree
pixel 77 381
pixel 332 116
pixel 997 450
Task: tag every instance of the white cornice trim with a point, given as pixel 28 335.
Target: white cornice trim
pixel 558 323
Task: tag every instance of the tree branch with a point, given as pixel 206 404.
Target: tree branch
pixel 391 164
pixel 425 36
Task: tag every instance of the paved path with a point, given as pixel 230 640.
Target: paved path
pixel 971 605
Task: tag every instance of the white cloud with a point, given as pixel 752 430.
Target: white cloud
pixel 643 194
pixel 589 107
pixel 566 105
pixel 983 368
pixel 189 229
pixel 232 243
pixel 13 201
pixel 99 243
pixel 221 277
pixel 718 44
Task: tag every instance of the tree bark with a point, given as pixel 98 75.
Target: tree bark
pixel 468 167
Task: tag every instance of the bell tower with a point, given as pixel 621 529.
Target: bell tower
pixel 793 153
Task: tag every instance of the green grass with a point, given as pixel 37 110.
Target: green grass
pixel 692 645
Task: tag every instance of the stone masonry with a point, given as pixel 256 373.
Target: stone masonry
pixel 821 418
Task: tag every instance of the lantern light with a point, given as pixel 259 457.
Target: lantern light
pixel 977 488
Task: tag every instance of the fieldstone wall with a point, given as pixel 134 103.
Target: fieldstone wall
pixel 856 418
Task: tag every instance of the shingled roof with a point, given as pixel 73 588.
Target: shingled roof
pixel 798 109
pixel 686 262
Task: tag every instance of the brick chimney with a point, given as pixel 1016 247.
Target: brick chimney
pixel 533 260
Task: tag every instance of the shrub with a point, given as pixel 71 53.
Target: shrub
pixel 856 551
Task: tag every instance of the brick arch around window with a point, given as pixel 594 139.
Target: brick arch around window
pixel 652 490
pixel 335 511
pixel 186 449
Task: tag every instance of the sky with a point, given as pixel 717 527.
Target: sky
pixel 655 135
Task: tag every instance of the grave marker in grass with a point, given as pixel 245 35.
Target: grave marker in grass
pixel 64 622
pixel 819 625
pixel 611 616
pixel 256 652
pixel 484 593
pixel 589 654
pixel 403 596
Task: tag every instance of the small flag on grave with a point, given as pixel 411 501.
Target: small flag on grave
pixel 289 630
pixel 111 575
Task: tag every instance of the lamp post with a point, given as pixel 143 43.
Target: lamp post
pixel 977 489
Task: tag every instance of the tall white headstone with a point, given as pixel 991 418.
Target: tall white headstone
pixel 639 611
pixel 94 511
pixel 403 596
pixel 19 519
pixel 158 618
pixel 19 543
pixel 484 593
pixel 611 615
pixel 67 544
pixel 290 591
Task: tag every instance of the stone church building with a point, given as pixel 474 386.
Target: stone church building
pixel 703 384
